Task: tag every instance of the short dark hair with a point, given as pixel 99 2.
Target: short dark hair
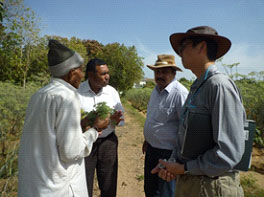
pixel 212 46
pixel 91 66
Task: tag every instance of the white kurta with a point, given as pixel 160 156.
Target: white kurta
pixel 52 145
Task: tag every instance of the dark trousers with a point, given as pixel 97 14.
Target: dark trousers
pixel 103 158
pixel 153 185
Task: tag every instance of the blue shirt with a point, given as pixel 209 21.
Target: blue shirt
pixel 215 94
pixel 163 115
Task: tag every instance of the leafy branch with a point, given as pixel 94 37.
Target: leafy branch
pixel 101 110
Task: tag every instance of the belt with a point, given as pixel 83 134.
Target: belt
pixel 215 177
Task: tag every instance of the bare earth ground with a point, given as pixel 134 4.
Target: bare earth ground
pixel 130 158
pixel 258 165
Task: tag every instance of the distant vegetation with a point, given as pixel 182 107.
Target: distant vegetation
pixel 252 91
pixel 24 69
pixel 23 53
pixel 139 98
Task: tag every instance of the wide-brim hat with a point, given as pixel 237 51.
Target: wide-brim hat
pixel 223 43
pixel 164 61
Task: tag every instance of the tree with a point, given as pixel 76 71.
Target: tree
pixel 124 64
pixel 39 71
pixel 73 43
pixel 150 84
pixel 230 66
pixel 93 47
pixel 252 74
pixel 20 23
pixel 261 74
pixel 187 84
pixel 1 10
pixel 8 54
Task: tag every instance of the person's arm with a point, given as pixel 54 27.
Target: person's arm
pixel 227 113
pixel 181 98
pixel 72 143
pixel 117 119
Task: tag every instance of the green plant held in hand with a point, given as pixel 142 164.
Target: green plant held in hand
pixel 101 110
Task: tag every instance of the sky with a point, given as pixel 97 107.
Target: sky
pixel 147 25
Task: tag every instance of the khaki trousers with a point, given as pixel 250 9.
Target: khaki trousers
pixel 227 184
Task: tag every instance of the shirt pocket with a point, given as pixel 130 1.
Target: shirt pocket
pixel 198 137
pixel 164 114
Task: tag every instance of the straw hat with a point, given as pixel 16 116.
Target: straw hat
pixel 164 61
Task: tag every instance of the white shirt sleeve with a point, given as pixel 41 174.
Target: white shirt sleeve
pixel 72 143
pixel 118 106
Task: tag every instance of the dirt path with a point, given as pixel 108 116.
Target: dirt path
pixel 130 157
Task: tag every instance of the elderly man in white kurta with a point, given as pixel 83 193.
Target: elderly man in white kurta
pixel 53 145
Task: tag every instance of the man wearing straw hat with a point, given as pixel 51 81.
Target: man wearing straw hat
pixel 163 115
pixel 53 144
pixel 212 111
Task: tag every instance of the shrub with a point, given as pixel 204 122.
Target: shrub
pixel 13 103
pixel 139 98
pixel 253 99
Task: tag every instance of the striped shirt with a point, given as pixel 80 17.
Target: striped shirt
pixel 163 115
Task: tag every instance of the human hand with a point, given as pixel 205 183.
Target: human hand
pixel 101 124
pixel 85 124
pixel 168 170
pixel 144 147
pixel 116 117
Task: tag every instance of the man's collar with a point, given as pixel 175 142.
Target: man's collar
pixel 65 83
pixel 169 87
pixel 211 70
pixel 90 89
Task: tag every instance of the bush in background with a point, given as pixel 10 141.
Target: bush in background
pixel 139 98
pixel 253 99
pixel 13 103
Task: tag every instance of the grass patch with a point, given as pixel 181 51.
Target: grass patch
pixel 140 118
pixel 140 177
pixel 251 189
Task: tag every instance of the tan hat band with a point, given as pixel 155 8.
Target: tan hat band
pixel 163 63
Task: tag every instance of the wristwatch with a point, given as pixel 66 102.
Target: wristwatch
pixel 185 169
